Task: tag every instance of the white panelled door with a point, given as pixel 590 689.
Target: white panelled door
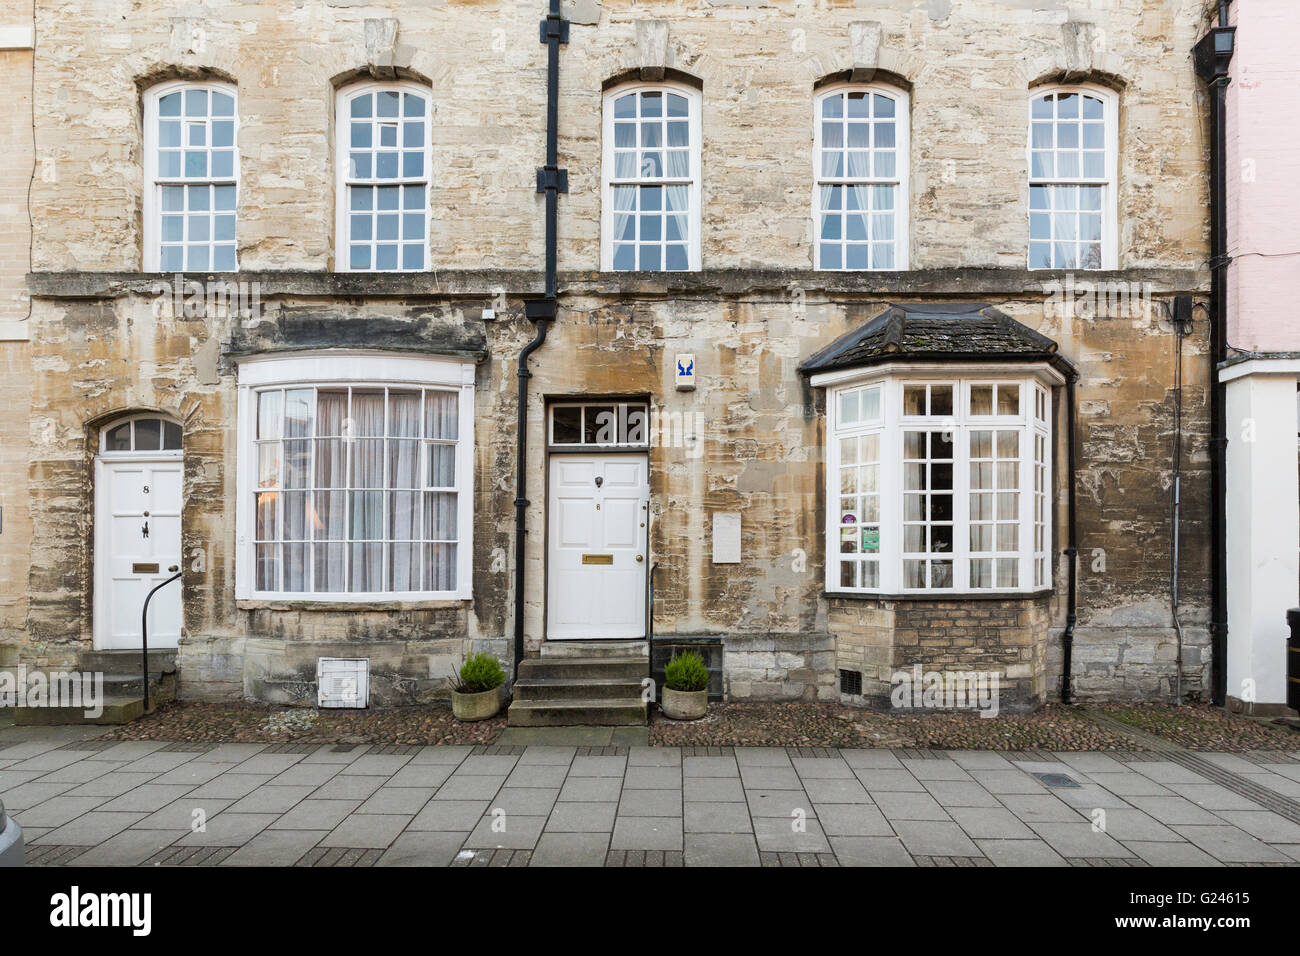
pixel 597 556
pixel 137 538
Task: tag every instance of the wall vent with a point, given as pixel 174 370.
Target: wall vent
pixel 851 682
pixel 342 682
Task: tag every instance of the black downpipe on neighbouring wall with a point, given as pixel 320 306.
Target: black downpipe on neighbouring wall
pixel 551 181
pixel 1211 56
pixel 1072 545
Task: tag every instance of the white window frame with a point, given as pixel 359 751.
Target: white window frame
pixel 902 167
pixel 1110 183
pixel 357 369
pixel 1035 385
pixel 152 205
pixel 695 103
pixel 342 147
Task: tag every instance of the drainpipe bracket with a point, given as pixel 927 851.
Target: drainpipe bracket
pixel 552 177
pixel 554 27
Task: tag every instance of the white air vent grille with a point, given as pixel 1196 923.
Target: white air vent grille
pixel 342 682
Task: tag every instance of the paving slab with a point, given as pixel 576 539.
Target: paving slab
pixel 991 823
pixel 304 774
pixel 367 831
pixel 390 799
pixel 421 775
pixel 597 767
pixel 930 838
pixel 591 789
pixel 469 787
pixel 181 815
pixel 538 775
pixel 230 786
pixel 424 848
pixel 229 829
pixel 58 810
pixel 871 851
pixel 870 759
pixel 571 849
pixel 269 799
pixel 932 769
pixel 645 756
pixel 509 832
pixel 777 835
pixel 1211 796
pixel 275 848
pixel 525 801
pixel 1020 853
pixel 352 787
pixel 830 768
pixel 315 815
pixel 900 780
pixel 710 767
pixel 720 849
pixel 653 778
pixel 112 784
pixel 999 782
pixel 650 803
pixel 88 829
pixel 129 848
pixel 385 765
pixel 647 833
pixel 960 793
pixel 1230 845
pixel 906 805
pixel 1263 825
pixel 1077 839
pixel 1171 854
pixel 762 757
pixel 845 819
pixel 582 818
pixel 836 790
pixel 717 818
pixel 449 815
pixel 777 803
pixel 714 790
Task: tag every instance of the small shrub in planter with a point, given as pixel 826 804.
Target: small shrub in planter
pixel 686 687
pixel 476 688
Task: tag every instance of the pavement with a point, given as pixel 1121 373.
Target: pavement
pixel 84 801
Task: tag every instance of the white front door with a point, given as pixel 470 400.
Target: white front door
pixel 137 538
pixel 597 557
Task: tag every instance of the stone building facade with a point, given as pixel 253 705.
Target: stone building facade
pixel 742 524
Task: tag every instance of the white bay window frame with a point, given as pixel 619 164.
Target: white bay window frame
pixel 356 370
pixel 1032 422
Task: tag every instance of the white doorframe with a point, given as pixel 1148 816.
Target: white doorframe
pixel 101 604
pixel 609 579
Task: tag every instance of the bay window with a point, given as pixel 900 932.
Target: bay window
pixel 355 478
pixel 938 483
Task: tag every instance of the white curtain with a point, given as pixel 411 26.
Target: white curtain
pixel 403 496
pixel 331 501
pixel 367 525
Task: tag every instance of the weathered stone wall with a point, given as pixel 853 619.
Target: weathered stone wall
pixel 101 345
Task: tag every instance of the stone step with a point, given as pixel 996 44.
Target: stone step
pixel 592 649
pixel 127 661
pixel 578 688
pixel 118 709
pixel 570 668
pixel 569 713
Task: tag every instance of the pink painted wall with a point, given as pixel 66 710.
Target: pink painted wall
pixel 1264 177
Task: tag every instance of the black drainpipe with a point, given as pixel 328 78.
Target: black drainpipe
pixel 1211 57
pixel 1072 543
pixel 551 181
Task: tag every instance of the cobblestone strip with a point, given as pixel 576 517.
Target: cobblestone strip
pixel 602 752
pixel 1269 799
pixel 498 857
pixel 52 854
pixel 492 750
pixel 1119 861
pixel 187 747
pixel 190 856
pixel 89 746
pixel 291 749
pixel 785 858
pixel 951 860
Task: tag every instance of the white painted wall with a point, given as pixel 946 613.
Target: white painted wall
pixel 1263 531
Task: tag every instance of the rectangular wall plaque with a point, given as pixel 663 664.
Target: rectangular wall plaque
pixel 597 559
pixel 726 538
pixel 144 569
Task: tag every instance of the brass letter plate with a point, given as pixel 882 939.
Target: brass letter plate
pixel 597 559
pixel 144 569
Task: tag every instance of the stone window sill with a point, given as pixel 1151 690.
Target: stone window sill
pixel 943 596
pixel 349 607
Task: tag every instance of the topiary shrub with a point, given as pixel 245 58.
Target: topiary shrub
pixel 481 672
pixel 686 672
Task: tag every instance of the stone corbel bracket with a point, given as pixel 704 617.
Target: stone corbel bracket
pixel 1080 57
pixel 385 55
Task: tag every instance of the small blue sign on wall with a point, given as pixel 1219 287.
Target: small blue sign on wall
pixel 685 373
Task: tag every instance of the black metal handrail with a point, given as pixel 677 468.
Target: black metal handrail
pixel 650 624
pixel 144 630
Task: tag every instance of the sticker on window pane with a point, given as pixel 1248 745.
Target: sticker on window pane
pixel 870 540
